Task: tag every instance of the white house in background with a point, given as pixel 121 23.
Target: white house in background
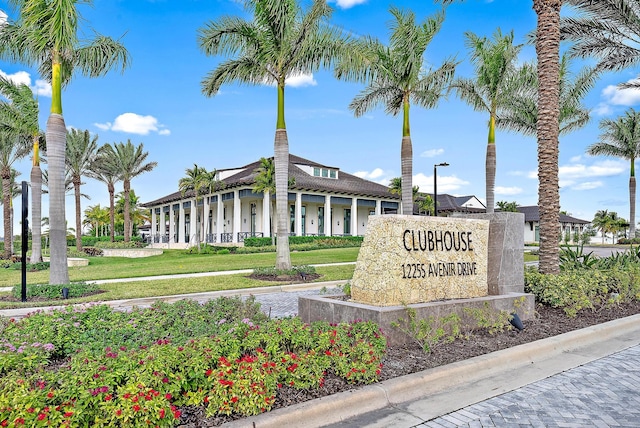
pixel 568 224
pixel 323 201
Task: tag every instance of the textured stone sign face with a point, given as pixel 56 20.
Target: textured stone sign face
pixel 417 259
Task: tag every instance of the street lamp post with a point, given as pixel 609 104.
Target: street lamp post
pixel 435 187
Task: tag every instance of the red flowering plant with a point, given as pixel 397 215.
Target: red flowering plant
pixel 246 385
pixel 136 405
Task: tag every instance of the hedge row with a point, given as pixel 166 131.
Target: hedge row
pixel 329 241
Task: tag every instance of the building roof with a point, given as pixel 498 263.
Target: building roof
pixel 449 203
pixel 345 183
pixel 532 213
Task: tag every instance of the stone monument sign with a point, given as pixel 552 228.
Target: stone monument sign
pixel 416 259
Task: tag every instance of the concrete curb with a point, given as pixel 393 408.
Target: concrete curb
pixel 342 406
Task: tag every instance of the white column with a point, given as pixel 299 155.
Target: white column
pixel 163 225
pixel 220 219
pixel 354 216
pixel 154 223
pixel 327 216
pixel 181 224
pixel 298 216
pixel 378 207
pixel 266 214
pixel 205 218
pixel 237 218
pixel 172 224
pixel 193 224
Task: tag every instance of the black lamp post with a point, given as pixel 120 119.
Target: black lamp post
pixel 435 187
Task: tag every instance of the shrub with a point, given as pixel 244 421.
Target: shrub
pixel 316 241
pixel 93 251
pixel 576 290
pixel 53 292
pixel 429 332
pixel 136 368
pixel 295 270
pixel 31 267
pixel 120 244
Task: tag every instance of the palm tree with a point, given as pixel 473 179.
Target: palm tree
pixel 396 76
pixel 509 207
pixel 105 169
pixel 46 35
pixel 621 138
pixel 12 149
pixel 130 161
pixel 601 222
pixel 548 128
pixel 80 154
pixel 20 116
pixel 425 204
pixel 138 215
pixel 522 113
pixel 395 187
pixel 281 41
pixel 607 30
pixel 95 216
pixel 14 190
pixel 491 90
pixel 265 182
pixel 200 182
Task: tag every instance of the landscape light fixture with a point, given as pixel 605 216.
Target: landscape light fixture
pixel 435 187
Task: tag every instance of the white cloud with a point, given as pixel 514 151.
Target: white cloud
pixel 346 4
pixel 624 97
pixel 445 183
pixel 569 173
pixel 500 190
pixel 602 109
pixel 301 80
pixel 431 153
pixel 598 169
pixel 587 185
pixel 41 87
pixel 133 123
pixel 378 175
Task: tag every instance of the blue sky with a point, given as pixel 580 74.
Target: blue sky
pixel 158 101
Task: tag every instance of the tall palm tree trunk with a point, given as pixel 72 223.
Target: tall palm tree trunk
pixel 36 214
pixel 406 163
pixel 76 192
pixel 490 177
pixel 6 211
pixel 56 135
pixel 548 52
pixel 127 211
pixel 632 207
pixel 112 212
pixel 281 161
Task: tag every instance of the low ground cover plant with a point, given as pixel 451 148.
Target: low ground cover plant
pixel 98 367
pixel 54 291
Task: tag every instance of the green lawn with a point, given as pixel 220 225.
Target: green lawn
pixel 177 262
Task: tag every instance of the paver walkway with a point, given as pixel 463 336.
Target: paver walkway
pixel 603 393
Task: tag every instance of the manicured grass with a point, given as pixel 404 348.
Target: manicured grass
pixel 177 262
pixel 528 257
pixel 164 287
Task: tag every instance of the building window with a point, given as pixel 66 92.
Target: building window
pixel 347 221
pixel 320 221
pixel 292 212
pixel 325 173
pixel 316 172
pixel 303 211
pixel 253 219
pixel 332 173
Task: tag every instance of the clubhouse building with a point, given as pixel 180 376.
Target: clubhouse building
pixel 323 201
